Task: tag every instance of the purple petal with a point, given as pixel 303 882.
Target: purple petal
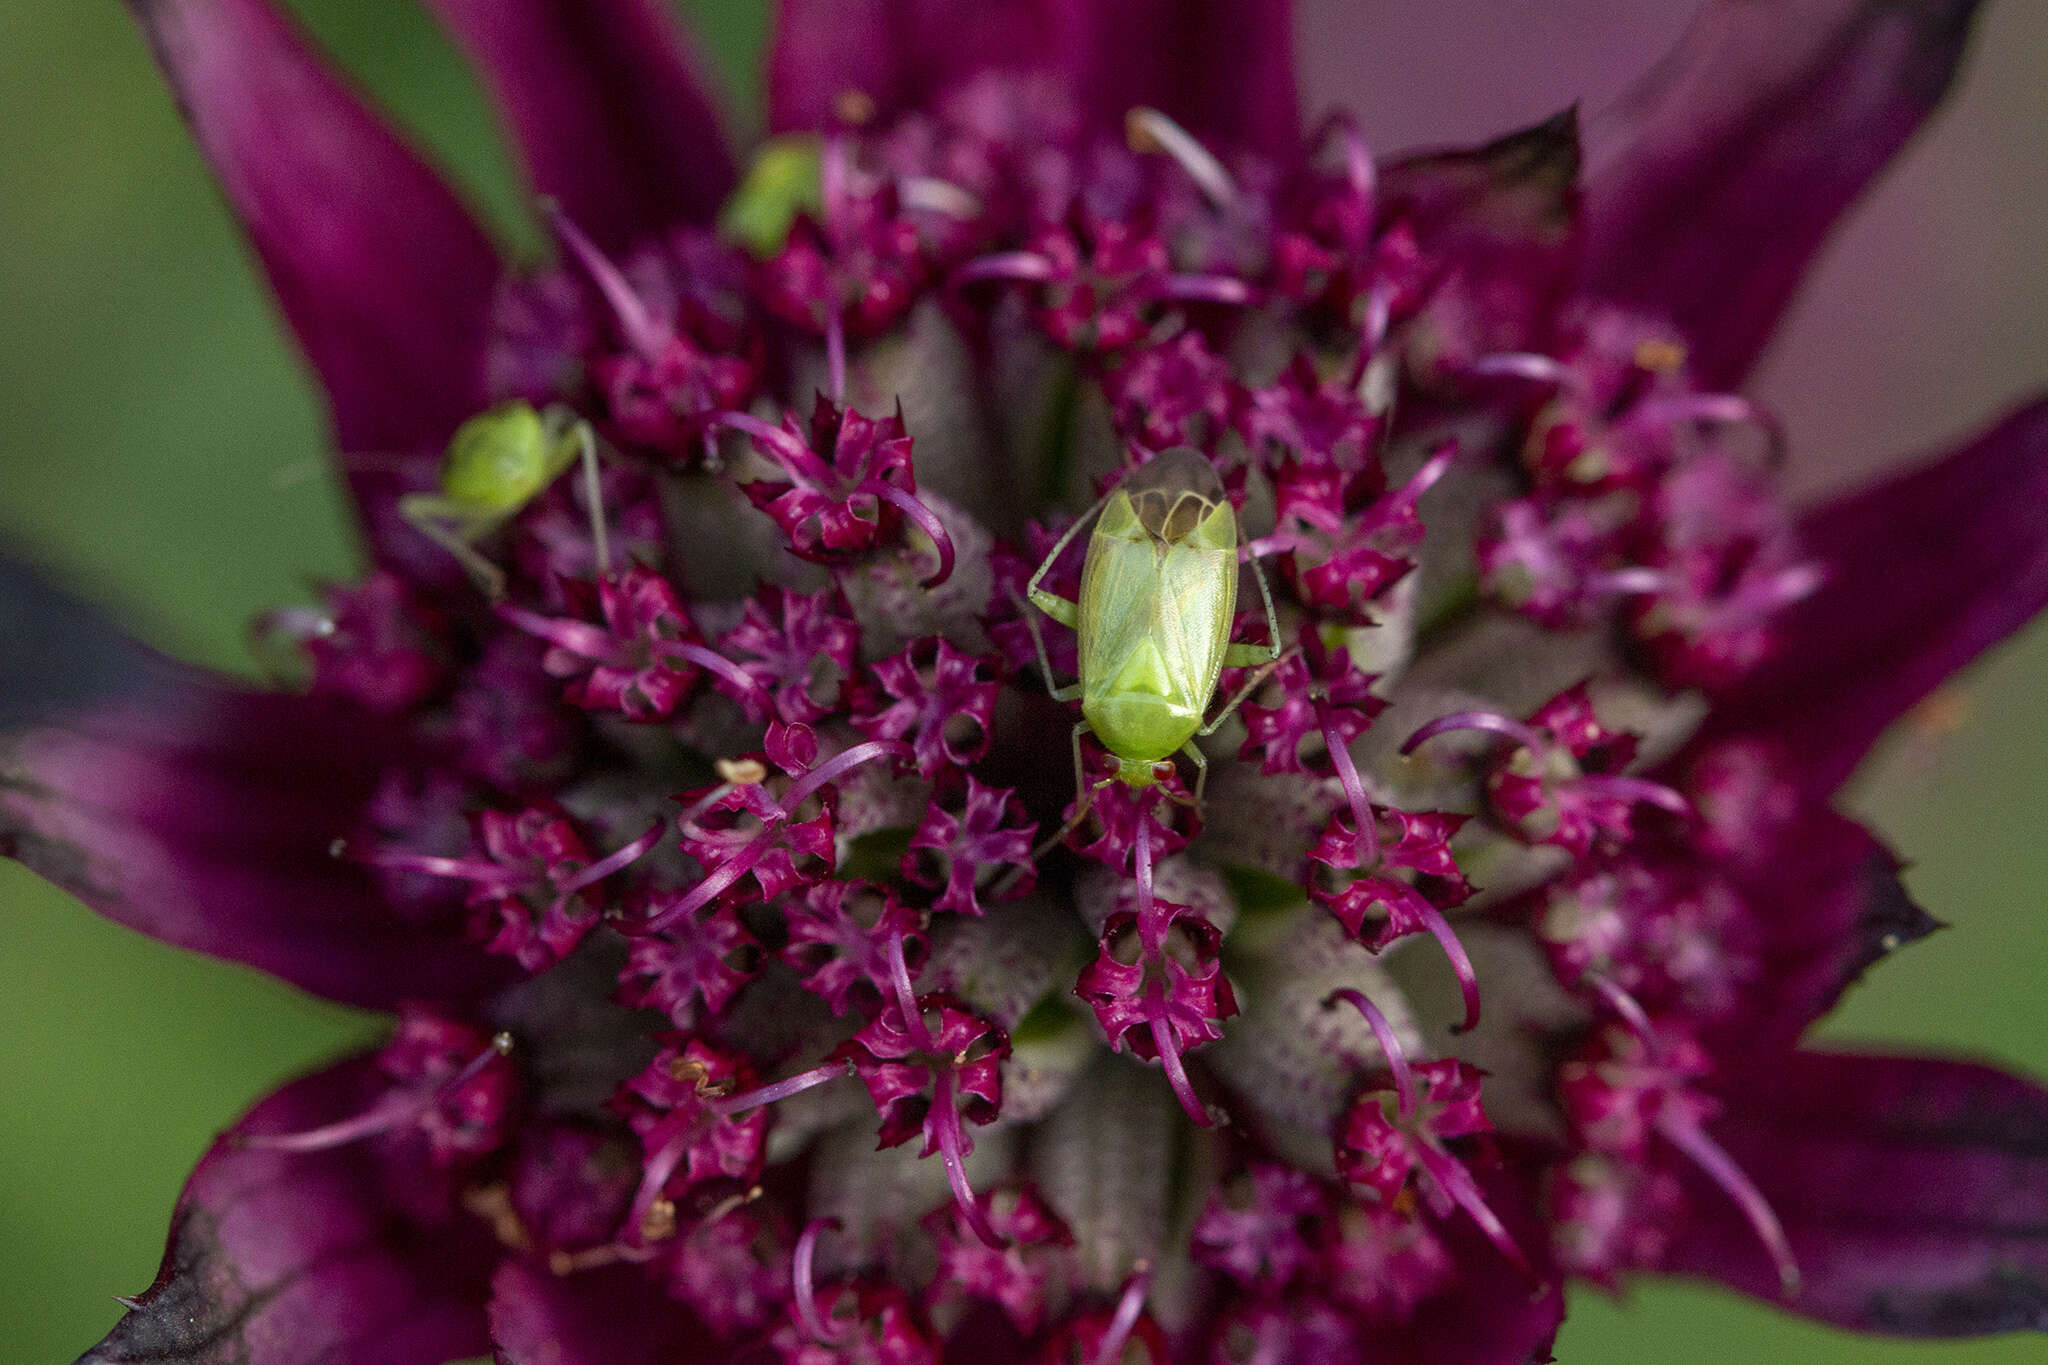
pixel 205 816
pixel 901 54
pixel 1915 1192
pixel 612 119
pixel 1714 181
pixel 382 274
pixel 1502 222
pixel 1223 68
pixel 359 1253
pixel 1926 571
pixel 1497 1313
pixel 613 1316
pixel 1825 904
pixel 75 654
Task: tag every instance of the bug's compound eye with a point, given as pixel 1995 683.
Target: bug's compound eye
pixel 495 459
pixel 1163 770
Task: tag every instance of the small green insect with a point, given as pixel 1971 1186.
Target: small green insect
pixel 497 463
pixel 786 179
pixel 1158 592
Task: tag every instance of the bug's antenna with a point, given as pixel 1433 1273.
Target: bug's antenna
pixel 593 493
pixel 418 510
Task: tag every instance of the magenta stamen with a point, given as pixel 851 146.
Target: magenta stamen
pixel 835 355
pixel 1490 721
pixel 927 522
pixel 1170 1062
pixel 1419 483
pixel 1379 314
pixel 929 194
pixel 1461 962
pixel 1636 581
pixel 394 1108
pixel 1457 1182
pixel 1359 171
pixel 638 328
pixel 1623 1004
pixel 1682 1133
pixel 1280 542
pixel 1110 1349
pixel 1521 365
pixel 1151 924
pixel 1149 130
pixel 659 1168
pixel 1390 1044
pixel 1760 596
pixel 806 1289
pixel 798 460
pixel 710 660
pixel 906 993
pixel 388 1113
pixel 1720 1168
pixel 613 862
pixel 833 174
pixel 1358 167
pixel 1354 791
pixel 703 803
pixel 946 1131
pixel 838 766
pixel 1016 267
pixel 781 1090
pixel 1207 289
pixel 704 892
pixel 1796 583
pixel 1720 409
pixel 578 637
pixel 463 869
pixel 1636 789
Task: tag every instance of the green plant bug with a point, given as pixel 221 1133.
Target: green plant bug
pixel 497 462
pixel 1158 594
pixel 786 179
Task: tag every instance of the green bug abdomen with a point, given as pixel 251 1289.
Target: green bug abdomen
pixel 1136 716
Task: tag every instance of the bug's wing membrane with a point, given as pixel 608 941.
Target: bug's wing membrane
pixel 1197 599
pixel 1118 585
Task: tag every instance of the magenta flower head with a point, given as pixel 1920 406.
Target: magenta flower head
pixel 793 960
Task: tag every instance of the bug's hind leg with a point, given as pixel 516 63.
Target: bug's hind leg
pixel 1084 799
pixel 1194 751
pixel 1266 656
pixel 1245 655
pixel 430 514
pixel 1251 685
pixel 593 494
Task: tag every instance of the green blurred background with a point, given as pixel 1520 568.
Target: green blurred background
pixel 162 452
